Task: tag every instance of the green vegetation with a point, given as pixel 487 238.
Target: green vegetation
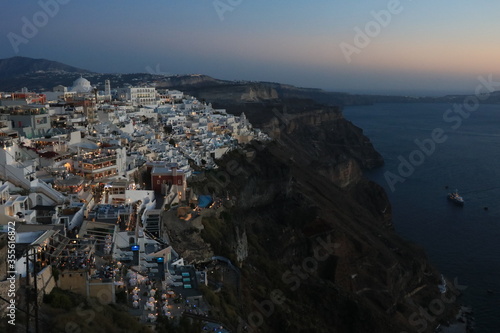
pixel 224 304
pixel 219 233
pixel 121 297
pixel 3 240
pixel 88 315
pixel 184 325
pixel 61 299
pixel 55 273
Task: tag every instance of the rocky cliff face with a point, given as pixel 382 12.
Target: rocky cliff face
pixel 329 143
pixel 193 80
pixel 312 237
pixel 256 93
pixel 329 252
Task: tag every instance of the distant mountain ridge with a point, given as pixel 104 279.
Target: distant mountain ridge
pixel 15 66
pixel 42 75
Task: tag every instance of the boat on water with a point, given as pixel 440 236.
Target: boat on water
pixel 456 198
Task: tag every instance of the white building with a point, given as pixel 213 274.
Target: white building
pixel 138 95
pixel 175 94
pixel 81 86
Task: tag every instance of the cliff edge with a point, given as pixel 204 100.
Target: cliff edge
pixel 312 238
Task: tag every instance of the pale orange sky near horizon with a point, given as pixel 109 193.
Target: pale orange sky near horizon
pixel 425 46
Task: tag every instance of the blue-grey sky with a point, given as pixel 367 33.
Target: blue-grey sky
pixel 415 47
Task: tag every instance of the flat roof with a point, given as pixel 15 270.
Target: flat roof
pixel 38 227
pixel 46 235
pixel 72 181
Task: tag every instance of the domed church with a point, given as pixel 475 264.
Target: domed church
pixel 81 85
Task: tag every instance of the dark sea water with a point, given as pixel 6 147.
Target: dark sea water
pixel 463 242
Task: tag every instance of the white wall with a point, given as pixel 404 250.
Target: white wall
pixel 132 196
pixel 77 219
pixel 121 160
pixel 44 201
pixel 75 137
pixel 129 128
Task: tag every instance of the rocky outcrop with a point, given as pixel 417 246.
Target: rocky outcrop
pixel 330 144
pixel 193 80
pixel 241 247
pixel 343 174
pixel 330 251
pixel 298 193
pixel 257 93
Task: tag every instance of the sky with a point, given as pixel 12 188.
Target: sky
pixel 404 47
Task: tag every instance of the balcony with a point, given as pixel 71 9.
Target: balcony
pixel 97 167
pixel 100 160
pixel 95 160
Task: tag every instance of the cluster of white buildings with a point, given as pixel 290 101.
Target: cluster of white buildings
pixel 72 168
pixel 58 146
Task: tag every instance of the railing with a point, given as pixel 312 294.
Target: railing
pixel 96 160
pixel 97 168
pixel 40 186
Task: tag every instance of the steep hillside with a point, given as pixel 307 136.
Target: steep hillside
pixel 15 66
pixel 43 75
pixel 312 237
pixel 316 249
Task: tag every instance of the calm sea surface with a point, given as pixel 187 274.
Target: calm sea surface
pixel 463 242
